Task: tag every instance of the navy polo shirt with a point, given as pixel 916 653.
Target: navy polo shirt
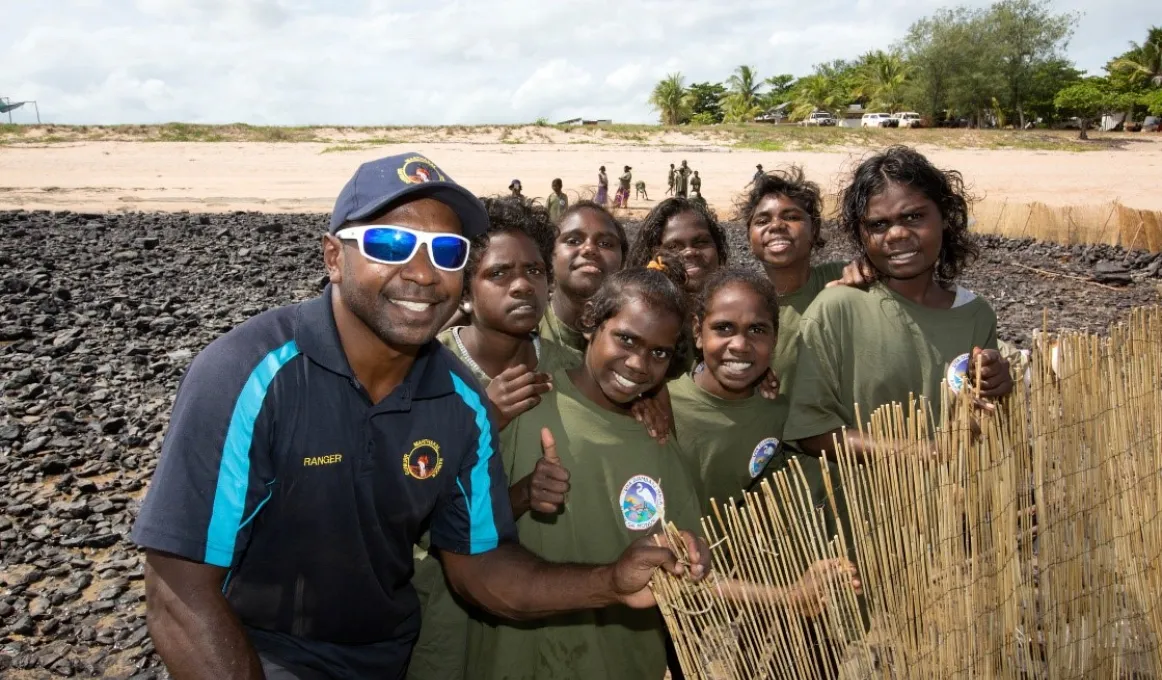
pixel 278 466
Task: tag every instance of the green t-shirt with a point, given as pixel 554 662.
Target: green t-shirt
pixel 874 348
pixel 440 651
pixel 557 204
pixel 621 483
pixel 553 329
pixel 726 444
pixel 791 308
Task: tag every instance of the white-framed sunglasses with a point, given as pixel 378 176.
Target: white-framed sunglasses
pixel 392 244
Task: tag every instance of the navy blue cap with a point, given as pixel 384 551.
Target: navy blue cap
pixel 380 184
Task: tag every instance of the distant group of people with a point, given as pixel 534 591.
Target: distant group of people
pixel 683 182
pixel 453 463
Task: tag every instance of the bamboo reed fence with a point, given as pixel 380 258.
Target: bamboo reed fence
pixel 1031 550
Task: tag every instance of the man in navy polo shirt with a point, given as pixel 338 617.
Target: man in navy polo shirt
pixel 312 445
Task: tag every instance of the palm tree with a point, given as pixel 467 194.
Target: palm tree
pixel 880 80
pixel 741 101
pixel 670 99
pixel 813 93
pixel 1143 63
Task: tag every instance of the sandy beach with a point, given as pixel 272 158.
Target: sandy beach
pixel 103 176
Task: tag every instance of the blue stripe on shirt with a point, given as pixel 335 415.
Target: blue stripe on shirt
pixel 481 524
pixel 234 467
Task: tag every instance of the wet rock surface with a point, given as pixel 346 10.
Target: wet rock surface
pixel 100 316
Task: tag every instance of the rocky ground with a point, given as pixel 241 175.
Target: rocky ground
pixel 99 316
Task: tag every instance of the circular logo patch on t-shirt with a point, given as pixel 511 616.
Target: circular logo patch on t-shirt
pixel 642 502
pixel 957 374
pixel 762 455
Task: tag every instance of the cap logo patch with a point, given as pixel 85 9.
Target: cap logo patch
pixel 417 170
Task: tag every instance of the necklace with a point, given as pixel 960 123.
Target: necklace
pixel 472 362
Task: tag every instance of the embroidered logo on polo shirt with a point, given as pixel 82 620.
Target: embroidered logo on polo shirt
pixel 957 374
pixel 424 460
pixel 642 502
pixel 762 455
pixel 329 459
pixel 417 169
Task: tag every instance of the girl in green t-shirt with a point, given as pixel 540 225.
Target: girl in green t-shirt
pixel 783 216
pixel 909 222
pixel 726 428
pixel 687 229
pixel 590 245
pixel 591 481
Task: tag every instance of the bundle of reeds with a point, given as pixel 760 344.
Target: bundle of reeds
pixel 1031 550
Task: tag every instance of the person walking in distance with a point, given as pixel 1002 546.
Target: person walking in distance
pixel 602 197
pixel 682 180
pixel 557 202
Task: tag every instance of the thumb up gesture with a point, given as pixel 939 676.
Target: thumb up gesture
pixel 549 483
pixel 544 489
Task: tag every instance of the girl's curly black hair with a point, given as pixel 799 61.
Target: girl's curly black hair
pixel 649 236
pixel 608 216
pixel 512 215
pixel 945 188
pixel 661 289
pixel 793 184
pixel 726 276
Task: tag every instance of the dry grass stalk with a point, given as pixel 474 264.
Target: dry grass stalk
pixel 1033 551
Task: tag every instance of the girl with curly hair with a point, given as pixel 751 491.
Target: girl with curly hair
pixel 689 230
pixel 909 223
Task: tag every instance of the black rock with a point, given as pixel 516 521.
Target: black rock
pixel 113 426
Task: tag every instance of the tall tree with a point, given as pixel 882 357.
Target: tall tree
pixel 880 80
pixel 1090 99
pixel 670 100
pixel 741 101
pixel 1026 36
pixel 706 102
pixel 816 92
pixel 779 91
pixel 1142 65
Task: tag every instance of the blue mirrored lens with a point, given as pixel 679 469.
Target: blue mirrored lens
pixel 449 252
pixel 389 245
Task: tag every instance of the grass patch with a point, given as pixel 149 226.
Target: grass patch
pixel 343 147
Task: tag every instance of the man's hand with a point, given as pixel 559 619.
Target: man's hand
pixel 769 385
pixel 996 380
pixel 634 569
pixel 515 391
pixel 857 274
pixel 654 411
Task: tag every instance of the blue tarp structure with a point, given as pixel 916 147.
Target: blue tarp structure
pixel 5 108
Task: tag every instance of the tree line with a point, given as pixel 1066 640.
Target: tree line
pixel 999 66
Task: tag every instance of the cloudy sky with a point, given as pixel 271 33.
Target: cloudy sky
pixel 366 62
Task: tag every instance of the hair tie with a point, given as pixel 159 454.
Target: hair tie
pixel 657 265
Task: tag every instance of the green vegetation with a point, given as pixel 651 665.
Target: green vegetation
pixel 999 66
pixel 343 147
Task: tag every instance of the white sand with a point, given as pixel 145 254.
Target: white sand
pixel 292 177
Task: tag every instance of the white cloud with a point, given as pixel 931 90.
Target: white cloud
pixel 443 61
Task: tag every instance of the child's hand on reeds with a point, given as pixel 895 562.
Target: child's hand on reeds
pixel 809 595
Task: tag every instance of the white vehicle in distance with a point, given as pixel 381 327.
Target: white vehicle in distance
pixel 875 120
pixel 819 118
pixel 908 119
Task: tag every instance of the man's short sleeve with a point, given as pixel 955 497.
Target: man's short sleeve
pixel 474 515
pixel 215 467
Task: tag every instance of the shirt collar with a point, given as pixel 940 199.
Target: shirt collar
pixel 317 337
